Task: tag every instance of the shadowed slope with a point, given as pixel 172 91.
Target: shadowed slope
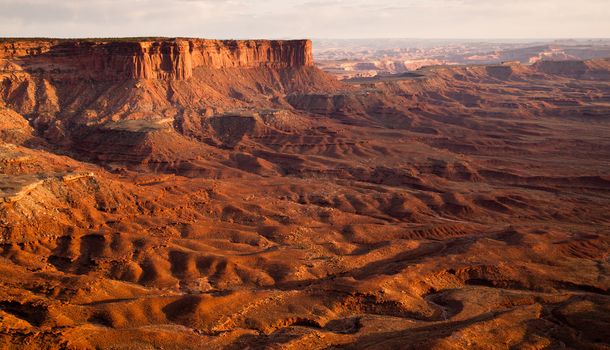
pixel 274 207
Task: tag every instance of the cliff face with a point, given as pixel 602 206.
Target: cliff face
pixel 27 47
pixel 153 59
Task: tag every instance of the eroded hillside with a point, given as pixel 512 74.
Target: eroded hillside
pixel 188 193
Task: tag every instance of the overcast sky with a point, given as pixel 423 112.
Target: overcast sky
pixel 307 18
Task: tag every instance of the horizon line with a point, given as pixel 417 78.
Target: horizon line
pixel 305 38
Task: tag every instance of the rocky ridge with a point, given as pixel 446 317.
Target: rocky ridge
pixel 154 58
pixel 259 203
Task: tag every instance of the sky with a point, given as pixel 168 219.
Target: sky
pixel 238 19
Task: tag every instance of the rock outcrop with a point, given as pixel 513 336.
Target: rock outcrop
pixel 595 69
pixel 153 58
pixel 260 203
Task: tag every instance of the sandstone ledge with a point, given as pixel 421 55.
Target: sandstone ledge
pixel 161 58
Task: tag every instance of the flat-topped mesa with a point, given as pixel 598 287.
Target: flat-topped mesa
pixel 251 53
pixel 155 58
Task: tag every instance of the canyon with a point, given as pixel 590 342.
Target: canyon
pixel 184 193
pixel 346 59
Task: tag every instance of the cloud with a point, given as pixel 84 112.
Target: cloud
pixel 307 18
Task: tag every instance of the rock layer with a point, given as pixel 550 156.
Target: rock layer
pixel 154 58
pixel 259 207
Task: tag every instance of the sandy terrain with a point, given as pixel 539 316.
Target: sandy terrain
pixel 272 206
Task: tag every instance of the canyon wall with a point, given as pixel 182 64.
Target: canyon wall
pixel 152 58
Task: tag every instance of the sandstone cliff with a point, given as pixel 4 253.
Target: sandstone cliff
pixel 153 58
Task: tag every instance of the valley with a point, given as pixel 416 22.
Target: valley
pixel 191 193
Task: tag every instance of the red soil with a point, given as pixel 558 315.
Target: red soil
pixel 270 206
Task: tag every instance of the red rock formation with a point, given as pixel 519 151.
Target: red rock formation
pixel 155 58
pixel 10 48
pixel 279 208
pixel 596 69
